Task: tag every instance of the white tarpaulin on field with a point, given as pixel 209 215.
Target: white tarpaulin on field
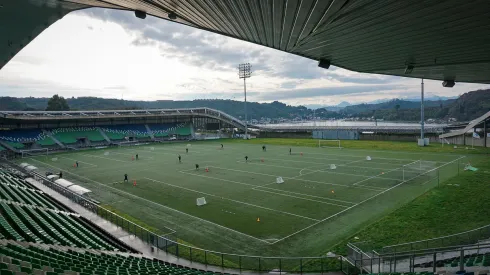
pixel 30 168
pixel 79 190
pixel 64 182
pixel 24 164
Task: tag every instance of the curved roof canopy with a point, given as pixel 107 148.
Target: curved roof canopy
pixel 433 39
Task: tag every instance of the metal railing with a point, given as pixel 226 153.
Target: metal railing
pixel 467 237
pixel 320 264
pixel 449 259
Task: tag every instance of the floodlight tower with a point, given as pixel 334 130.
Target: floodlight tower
pixel 245 71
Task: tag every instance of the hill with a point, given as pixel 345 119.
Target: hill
pixel 466 107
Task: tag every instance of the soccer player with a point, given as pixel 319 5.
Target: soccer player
pixel 76 163
pixel 246 158
pixel 290 151
pixel 186 150
pixel 61 175
pixel 126 178
pixel 263 148
pixel 136 156
pixel 197 167
pixel 180 159
pixel 221 146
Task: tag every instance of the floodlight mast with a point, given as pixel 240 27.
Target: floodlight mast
pixel 245 71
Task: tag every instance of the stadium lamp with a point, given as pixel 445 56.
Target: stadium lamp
pixel 172 15
pixel 245 71
pixel 140 14
pixel 448 83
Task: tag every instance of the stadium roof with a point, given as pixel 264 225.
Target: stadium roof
pixel 473 124
pixel 433 39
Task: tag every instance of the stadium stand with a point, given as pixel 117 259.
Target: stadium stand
pixel 117 132
pixel 31 259
pixel 27 214
pixel 73 134
pixel 163 130
pixel 16 138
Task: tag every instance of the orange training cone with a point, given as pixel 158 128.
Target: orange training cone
pixel 262 160
pixel 134 182
pixel 207 169
pixel 132 158
pixel 74 165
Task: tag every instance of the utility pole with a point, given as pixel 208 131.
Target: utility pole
pixel 422 111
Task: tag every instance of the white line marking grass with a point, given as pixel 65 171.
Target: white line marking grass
pixel 245 203
pixel 79 161
pixel 359 203
pixel 372 188
pixel 161 205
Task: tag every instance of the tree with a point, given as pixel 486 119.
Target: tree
pixel 57 103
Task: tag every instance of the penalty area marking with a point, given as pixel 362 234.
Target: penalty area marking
pixel 163 206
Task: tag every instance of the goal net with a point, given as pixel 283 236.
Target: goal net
pixel 329 143
pixel 34 152
pixel 417 168
pixel 201 201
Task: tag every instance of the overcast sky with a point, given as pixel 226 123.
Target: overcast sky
pixel 113 54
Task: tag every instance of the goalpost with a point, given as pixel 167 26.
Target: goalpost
pixel 34 152
pixel 329 143
pixel 416 168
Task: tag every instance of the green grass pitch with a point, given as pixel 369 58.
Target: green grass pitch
pixel 315 206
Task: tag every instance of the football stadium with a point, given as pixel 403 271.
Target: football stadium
pixel 199 191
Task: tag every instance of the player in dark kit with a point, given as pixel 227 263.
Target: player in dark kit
pixel 180 159
pixel 263 148
pixel 197 166
pixel 61 175
pixel 186 150
pixel 246 158
pixel 76 163
pixel 125 177
pixel 290 151
pixel 136 156
pixel 221 145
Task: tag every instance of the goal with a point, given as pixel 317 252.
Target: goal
pixel 329 143
pixel 417 168
pixel 34 152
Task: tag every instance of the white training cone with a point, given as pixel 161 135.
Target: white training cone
pixel 368 158
pixel 279 180
pixel 332 166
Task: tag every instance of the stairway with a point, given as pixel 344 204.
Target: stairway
pixel 104 135
pixel 150 132
pixel 53 138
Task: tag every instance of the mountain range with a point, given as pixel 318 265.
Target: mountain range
pixel 465 107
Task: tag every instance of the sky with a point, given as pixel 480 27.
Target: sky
pixel 113 54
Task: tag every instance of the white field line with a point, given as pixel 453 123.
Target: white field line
pixel 326 170
pixel 370 198
pixel 94 156
pixel 132 155
pixel 340 212
pixel 301 194
pixel 327 183
pixel 164 206
pixel 377 176
pixel 374 160
pixel 79 161
pixel 245 203
pixel 242 183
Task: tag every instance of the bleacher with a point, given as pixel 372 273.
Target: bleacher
pixel 40 236
pixel 27 214
pixel 72 134
pixel 166 129
pixel 16 138
pixel 118 132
